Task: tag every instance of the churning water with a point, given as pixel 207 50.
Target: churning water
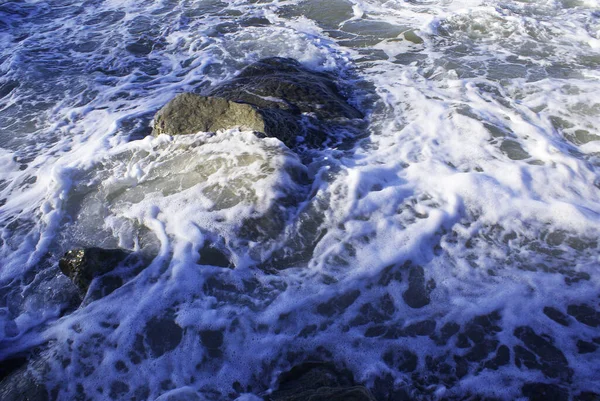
pixel 451 254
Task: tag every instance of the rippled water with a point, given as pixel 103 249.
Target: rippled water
pixel 451 254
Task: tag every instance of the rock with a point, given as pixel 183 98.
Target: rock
pixel 26 383
pixel 212 256
pixel 317 381
pixel 276 96
pixel 83 266
pixel 284 84
pixel 189 113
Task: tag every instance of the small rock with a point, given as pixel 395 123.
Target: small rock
pixel 83 265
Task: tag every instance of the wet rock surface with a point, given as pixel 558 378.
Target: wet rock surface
pixel 189 113
pixel 318 381
pixel 91 269
pixel 26 383
pixel 276 96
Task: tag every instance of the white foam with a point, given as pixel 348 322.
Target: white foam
pixel 481 166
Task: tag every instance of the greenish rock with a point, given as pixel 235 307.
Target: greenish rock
pixel 189 113
pixel 97 272
pixel 83 265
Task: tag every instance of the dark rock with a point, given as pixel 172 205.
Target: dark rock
pixel 556 315
pixel 552 361
pixel 275 96
pixel 585 314
pixel 83 265
pixel 318 381
pixel 26 383
pixel 545 392
pixel 189 113
pixel 7 366
pixel 283 83
pixel 584 347
pixel 417 294
pixel 212 256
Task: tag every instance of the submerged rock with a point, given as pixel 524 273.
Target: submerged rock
pixel 26 383
pixel 318 381
pixel 276 96
pixel 82 266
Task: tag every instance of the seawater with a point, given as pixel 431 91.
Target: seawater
pixel 477 183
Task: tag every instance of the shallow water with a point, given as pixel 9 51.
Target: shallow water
pixel 452 253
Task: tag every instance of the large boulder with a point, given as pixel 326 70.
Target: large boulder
pixel 277 97
pixel 189 113
pixel 284 83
